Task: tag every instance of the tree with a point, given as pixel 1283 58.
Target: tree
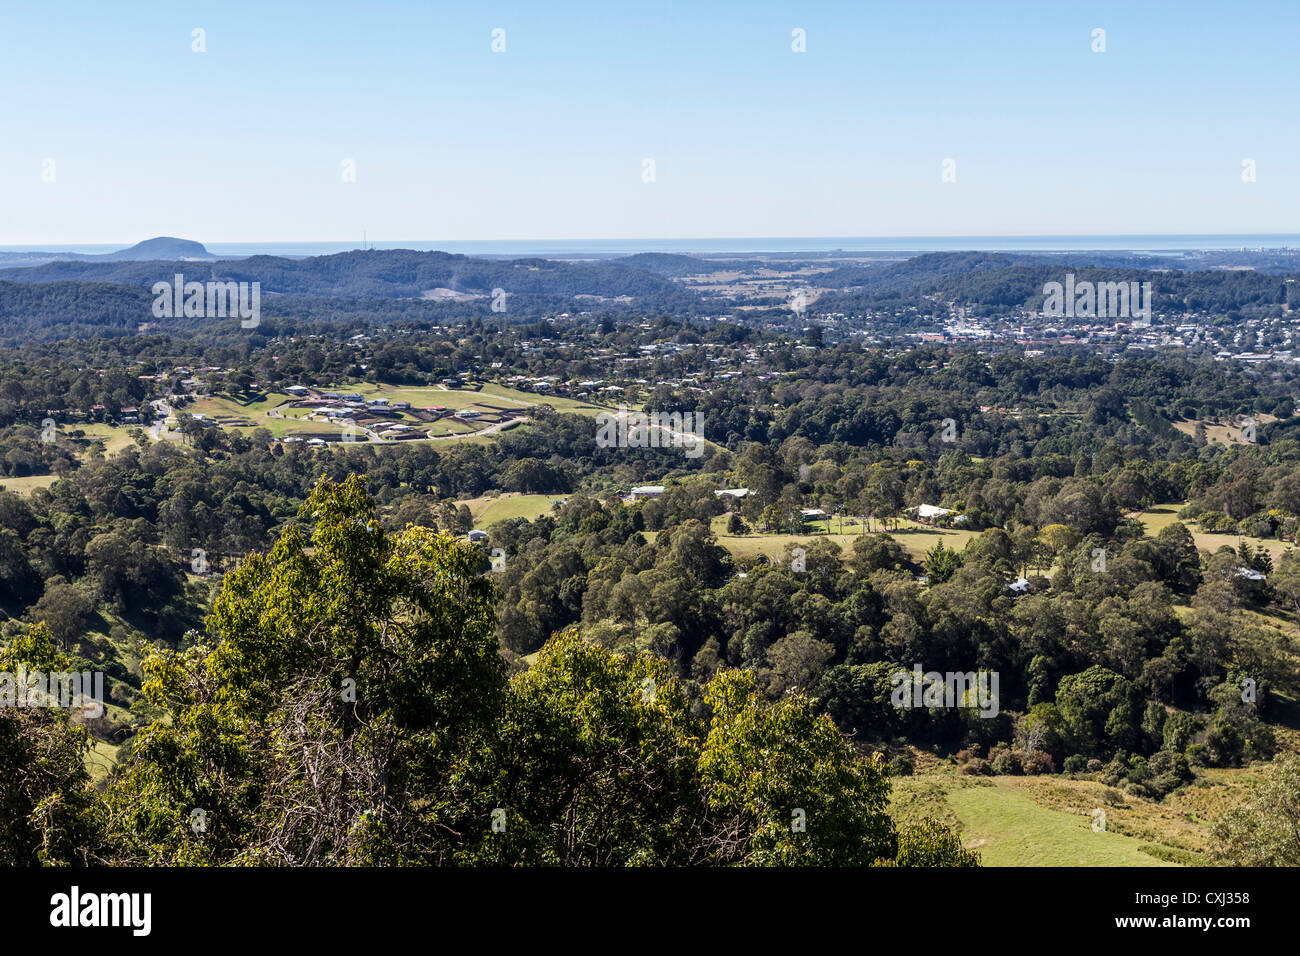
pixel 1180 562
pixel 788 785
pixel 595 765
pixel 347 704
pixel 1286 578
pixel 320 720
pixel 1265 831
pixel 795 662
pixel 64 609
pixel 1099 711
pixel 931 843
pixel 600 760
pixel 1057 539
pixel 49 813
pixel 941 563
pixel 878 552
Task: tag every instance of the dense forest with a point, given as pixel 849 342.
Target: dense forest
pixel 368 288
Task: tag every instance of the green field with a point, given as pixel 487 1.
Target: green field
pixel 296 421
pixel 1158 517
pixel 28 483
pixel 114 437
pixel 1010 829
pixel 488 510
pixel 449 426
pixel 100 759
pixel 1048 821
pixel 1223 434
pixel 559 403
pixel 916 539
pixel 283 427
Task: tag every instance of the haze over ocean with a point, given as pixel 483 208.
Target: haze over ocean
pixel 739 246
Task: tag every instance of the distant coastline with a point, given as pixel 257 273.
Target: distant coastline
pixel 599 248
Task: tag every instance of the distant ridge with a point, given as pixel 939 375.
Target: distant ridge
pixel 158 249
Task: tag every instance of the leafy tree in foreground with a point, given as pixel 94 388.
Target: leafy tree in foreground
pixel 1266 831
pixel 602 761
pixel 48 811
pixel 323 724
pixel 930 843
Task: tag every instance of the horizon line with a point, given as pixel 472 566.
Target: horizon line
pixel 709 238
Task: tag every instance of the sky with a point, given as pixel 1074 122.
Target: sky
pixel 113 129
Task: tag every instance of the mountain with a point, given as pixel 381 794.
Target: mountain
pixel 151 250
pixel 389 273
pixel 160 249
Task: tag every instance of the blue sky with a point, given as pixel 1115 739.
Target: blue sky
pixel 547 140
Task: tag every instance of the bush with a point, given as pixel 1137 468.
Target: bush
pixel 900 765
pixel 1095 765
pixel 1004 760
pixel 1114 772
pixel 931 843
pixel 1138 772
pixel 1076 763
pixel 1179 729
pixel 1038 763
pixel 1167 783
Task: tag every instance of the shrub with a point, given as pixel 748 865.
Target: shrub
pixel 1114 772
pixel 931 843
pixel 1037 763
pixel 1179 729
pixel 1138 771
pixel 1004 760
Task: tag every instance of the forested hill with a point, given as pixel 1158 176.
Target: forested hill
pixel 62 309
pixel 389 273
pixel 992 283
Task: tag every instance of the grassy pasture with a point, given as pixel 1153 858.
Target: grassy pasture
pixel 916 539
pixel 490 509
pixel 1048 821
pixel 1160 516
pixel 28 483
pixel 1223 434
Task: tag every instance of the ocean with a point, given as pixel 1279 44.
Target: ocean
pixel 599 248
